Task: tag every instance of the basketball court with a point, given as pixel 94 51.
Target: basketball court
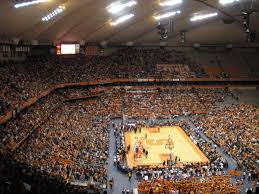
pixel 155 141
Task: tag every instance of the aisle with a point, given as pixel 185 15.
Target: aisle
pixel 120 180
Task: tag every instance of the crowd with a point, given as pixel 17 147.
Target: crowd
pixel 19 82
pixel 159 104
pixel 72 144
pixel 70 141
pixel 17 128
pixel 4 105
pixel 65 124
pixel 214 184
pixel 20 178
pixel 235 129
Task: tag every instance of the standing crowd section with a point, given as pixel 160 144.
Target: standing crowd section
pixel 67 139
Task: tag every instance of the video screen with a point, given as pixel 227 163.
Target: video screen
pixel 68 49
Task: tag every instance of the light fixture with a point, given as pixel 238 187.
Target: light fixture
pixel 202 17
pixel 167 15
pixel 28 3
pixel 122 19
pixel 118 6
pixel 53 14
pixel 224 2
pixel 171 2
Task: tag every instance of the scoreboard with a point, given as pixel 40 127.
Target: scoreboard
pixel 67 49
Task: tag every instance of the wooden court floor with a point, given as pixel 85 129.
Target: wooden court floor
pixel 154 141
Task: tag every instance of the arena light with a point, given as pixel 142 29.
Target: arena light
pixel 122 19
pixel 56 12
pixel 167 15
pixel 203 17
pixel 28 3
pixel 171 2
pixel 118 6
pixel 225 2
